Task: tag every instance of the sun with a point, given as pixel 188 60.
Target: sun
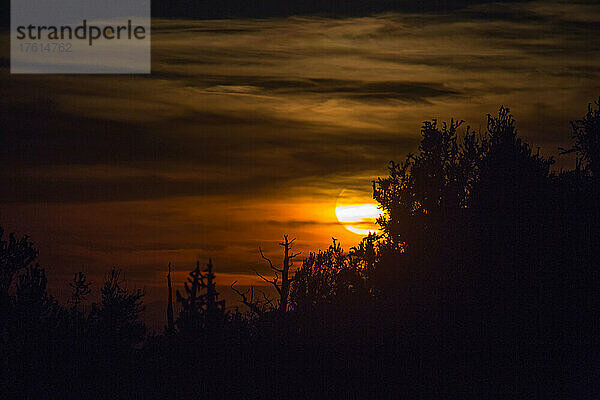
pixel 356 214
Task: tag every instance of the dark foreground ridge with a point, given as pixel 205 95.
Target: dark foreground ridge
pixel 484 283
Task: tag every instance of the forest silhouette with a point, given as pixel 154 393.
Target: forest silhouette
pixel 482 282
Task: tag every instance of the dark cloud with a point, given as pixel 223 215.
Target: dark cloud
pixel 218 9
pixel 201 126
pixel 146 164
pixel 385 90
pixel 356 89
pixel 276 8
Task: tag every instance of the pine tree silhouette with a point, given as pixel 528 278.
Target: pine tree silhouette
pixel 201 308
pixel 81 289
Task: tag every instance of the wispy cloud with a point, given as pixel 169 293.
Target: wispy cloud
pixel 250 127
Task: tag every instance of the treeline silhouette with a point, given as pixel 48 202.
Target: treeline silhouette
pixel 482 283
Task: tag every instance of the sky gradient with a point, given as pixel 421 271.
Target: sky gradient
pixel 251 128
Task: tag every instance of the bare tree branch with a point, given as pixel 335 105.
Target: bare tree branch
pixel 251 304
pixel 267 300
pixel 269 261
pixel 273 282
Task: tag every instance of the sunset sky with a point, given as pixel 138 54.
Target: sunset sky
pixel 251 128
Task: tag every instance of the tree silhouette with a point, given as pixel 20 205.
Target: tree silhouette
pixel 201 308
pixel 257 306
pixel 586 135
pixel 319 280
pixel 364 258
pixel 283 287
pixel 80 289
pixel 170 321
pixel 31 300
pixel 15 255
pixel 511 176
pixel 117 316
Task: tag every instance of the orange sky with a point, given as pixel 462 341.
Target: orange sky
pixel 249 129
